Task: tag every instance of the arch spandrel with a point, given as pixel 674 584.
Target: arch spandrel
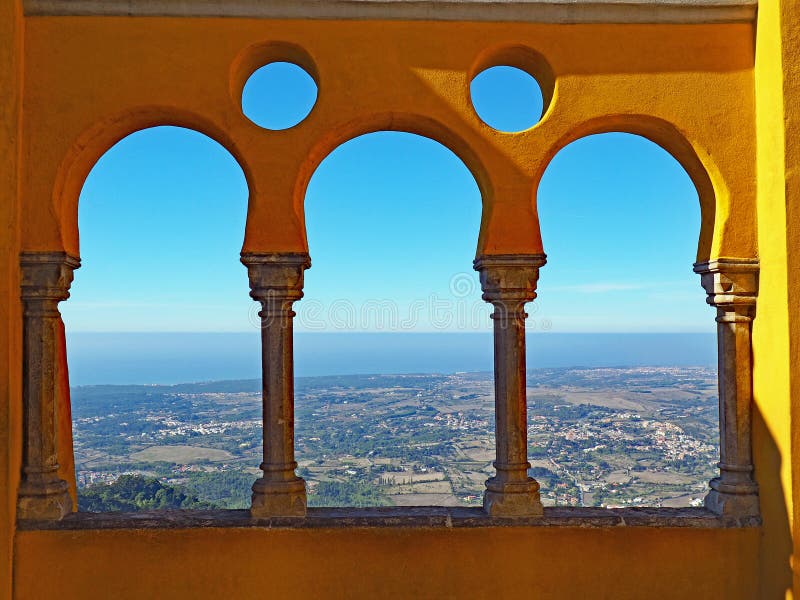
pixel 706 132
pixel 408 123
pixel 102 84
pixel 97 140
pixel 412 73
pixel 718 234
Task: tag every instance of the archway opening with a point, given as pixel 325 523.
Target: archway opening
pixel 161 299
pixel 393 307
pixel 622 360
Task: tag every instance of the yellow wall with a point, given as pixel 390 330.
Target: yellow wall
pixel 777 329
pixel 791 114
pixel 87 82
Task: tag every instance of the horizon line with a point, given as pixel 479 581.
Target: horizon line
pixel 489 372
pixel 487 332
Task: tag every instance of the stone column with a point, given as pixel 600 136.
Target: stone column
pixel 276 281
pixel 508 282
pixel 46 278
pixel 732 287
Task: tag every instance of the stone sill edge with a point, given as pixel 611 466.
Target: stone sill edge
pixel 530 11
pixel 414 517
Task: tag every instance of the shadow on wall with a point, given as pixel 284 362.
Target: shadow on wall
pixel 775 553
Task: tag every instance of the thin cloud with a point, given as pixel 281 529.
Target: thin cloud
pixel 180 305
pixel 601 287
pixel 605 287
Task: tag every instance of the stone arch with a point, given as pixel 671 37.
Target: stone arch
pixel 53 267
pixel 400 122
pixel 731 285
pixel 711 189
pixel 102 136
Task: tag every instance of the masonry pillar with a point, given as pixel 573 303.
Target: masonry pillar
pixel 508 282
pixel 276 281
pixel 732 287
pixel 46 278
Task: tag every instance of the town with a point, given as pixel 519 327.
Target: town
pixel 643 436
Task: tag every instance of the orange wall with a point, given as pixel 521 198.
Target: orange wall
pixel 134 73
pixel 90 81
pixel 546 564
pixel 10 336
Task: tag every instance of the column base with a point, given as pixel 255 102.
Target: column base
pixel 51 503
pixel 732 503
pixel 518 499
pixel 278 498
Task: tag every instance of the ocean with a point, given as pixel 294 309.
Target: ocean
pixel 168 358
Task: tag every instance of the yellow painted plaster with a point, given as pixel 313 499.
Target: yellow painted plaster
pixel 723 99
pixel 777 328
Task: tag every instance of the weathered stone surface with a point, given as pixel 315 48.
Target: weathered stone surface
pixel 509 279
pixel 732 287
pixel 273 497
pixel 512 499
pixel 540 11
pixel 508 282
pixel 399 517
pixel 731 284
pixel 44 500
pixel 46 278
pixel 276 281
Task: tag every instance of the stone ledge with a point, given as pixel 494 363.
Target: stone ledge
pixel 522 11
pixel 424 517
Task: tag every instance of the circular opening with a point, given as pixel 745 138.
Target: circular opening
pixel 507 98
pixel 279 95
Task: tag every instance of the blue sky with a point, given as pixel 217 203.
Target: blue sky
pixel 392 221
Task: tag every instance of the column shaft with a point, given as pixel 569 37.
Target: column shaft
pixel 508 282
pixel 276 281
pixel 46 278
pixel 511 414
pixel 278 389
pixel 732 286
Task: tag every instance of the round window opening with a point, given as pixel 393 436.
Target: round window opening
pixel 507 99
pixel 279 96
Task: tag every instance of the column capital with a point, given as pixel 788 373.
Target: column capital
pixel 509 277
pixel 276 275
pixel 731 284
pixel 732 288
pixel 47 275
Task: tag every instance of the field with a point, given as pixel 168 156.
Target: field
pixel 603 437
pixel 180 455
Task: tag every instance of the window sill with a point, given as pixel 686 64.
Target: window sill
pixel 429 517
